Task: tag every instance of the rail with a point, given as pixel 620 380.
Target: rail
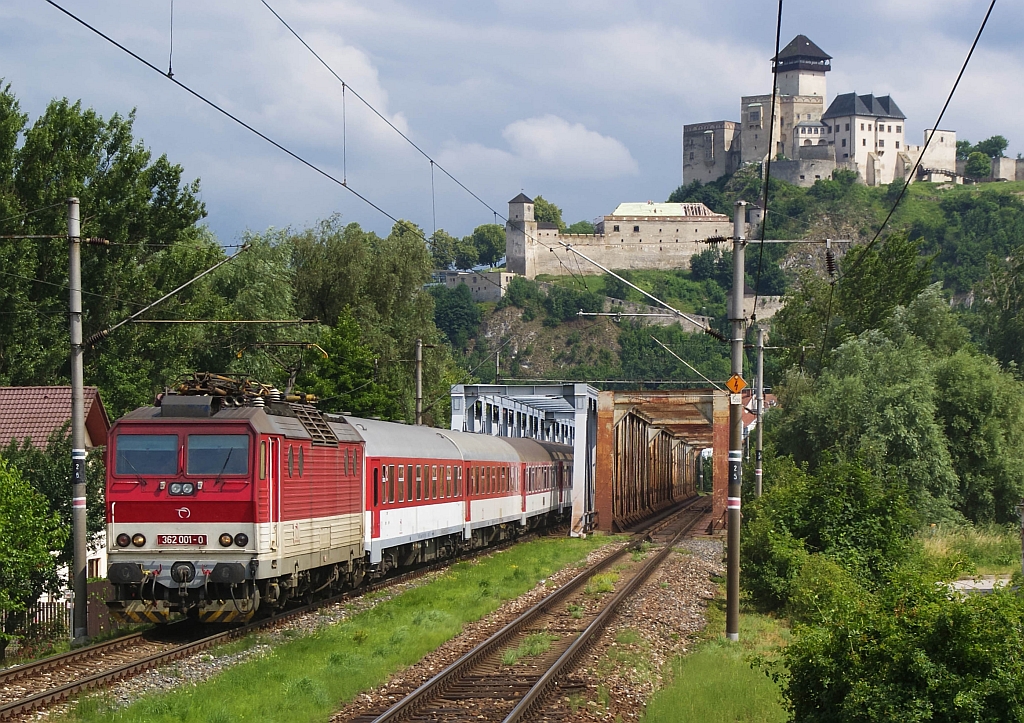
pixel 437 685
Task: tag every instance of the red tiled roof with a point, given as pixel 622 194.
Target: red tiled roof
pixel 36 412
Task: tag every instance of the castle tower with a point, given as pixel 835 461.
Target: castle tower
pixel 801 68
pixel 520 235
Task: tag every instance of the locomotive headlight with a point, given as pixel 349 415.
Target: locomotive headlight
pixel 241 539
pixel 138 539
pixel 225 540
pixel 176 488
pixel 187 488
pixel 123 540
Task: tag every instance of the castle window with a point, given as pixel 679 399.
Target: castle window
pixel 899 129
pixel 863 141
pixel 616 228
pixel 635 229
pixel 862 126
pixel 846 155
pixel 801 178
pixel 897 144
pixel 847 126
pixel 890 129
pixel 691 156
pixel 844 143
pixel 869 126
pixel 881 144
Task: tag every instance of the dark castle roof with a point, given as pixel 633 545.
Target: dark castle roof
pixel 802 54
pixel 802 47
pixel 849 104
pixel 521 198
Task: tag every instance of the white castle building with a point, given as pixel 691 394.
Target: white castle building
pixel 859 132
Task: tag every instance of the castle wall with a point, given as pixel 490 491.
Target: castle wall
pixel 709 150
pixel 627 243
pixel 803 172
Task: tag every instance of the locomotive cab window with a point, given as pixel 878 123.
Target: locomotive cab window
pixel 218 454
pixel 302 462
pixel 291 461
pixel 147 454
pixel 263 460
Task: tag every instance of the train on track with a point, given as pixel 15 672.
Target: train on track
pixel 228 499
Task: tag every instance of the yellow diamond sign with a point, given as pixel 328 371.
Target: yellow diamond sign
pixel 736 384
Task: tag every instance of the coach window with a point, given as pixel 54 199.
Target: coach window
pixel 302 461
pixel 419 482
pixel 458 474
pixel 376 488
pixel 391 483
pixel 433 482
pixel 504 480
pixel 263 460
pixel 401 483
pixel 408 483
pixel 450 481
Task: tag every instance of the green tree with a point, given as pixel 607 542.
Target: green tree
pixel 963 149
pixel 978 165
pixel 29 531
pixel 564 304
pixel 347 379
pixel 46 466
pixel 581 227
pixel 489 242
pixel 999 317
pixel 443 249
pixel 993 147
pixel 710 195
pixel 545 211
pixel 456 314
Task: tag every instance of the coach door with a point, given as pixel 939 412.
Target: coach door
pixel 274 475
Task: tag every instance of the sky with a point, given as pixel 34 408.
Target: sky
pixel 581 101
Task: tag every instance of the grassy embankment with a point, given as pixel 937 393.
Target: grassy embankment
pixel 307 678
pixel 715 681
pixel 994 550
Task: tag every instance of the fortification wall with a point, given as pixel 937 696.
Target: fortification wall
pixel 621 254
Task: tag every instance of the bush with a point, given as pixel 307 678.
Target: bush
pixel 913 651
pixel 563 304
pixel 841 511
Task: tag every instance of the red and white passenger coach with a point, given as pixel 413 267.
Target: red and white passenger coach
pixel 219 506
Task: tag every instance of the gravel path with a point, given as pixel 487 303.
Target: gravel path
pixel 624 666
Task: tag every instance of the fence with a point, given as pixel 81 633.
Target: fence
pixel 41 623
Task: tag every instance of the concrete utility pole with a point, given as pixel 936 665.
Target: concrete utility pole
pixel 419 381
pixel 738 319
pixel 759 389
pixel 80 618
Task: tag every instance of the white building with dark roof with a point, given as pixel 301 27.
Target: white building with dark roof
pixel 867 133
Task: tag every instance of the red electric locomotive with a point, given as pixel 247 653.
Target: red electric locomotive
pixel 222 504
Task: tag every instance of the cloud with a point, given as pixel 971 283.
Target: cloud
pixel 551 147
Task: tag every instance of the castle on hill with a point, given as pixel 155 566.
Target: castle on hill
pixel 862 133
pixel 644 235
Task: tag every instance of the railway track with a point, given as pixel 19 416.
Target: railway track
pixel 40 684
pixel 491 683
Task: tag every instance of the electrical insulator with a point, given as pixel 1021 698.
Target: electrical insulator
pixel 830 263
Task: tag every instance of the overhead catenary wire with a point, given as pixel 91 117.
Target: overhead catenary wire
pixel 910 176
pixel 768 164
pixel 199 96
pixel 689 366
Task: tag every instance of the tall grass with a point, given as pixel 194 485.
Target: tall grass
pixel 716 682
pixel 306 679
pixel 993 549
